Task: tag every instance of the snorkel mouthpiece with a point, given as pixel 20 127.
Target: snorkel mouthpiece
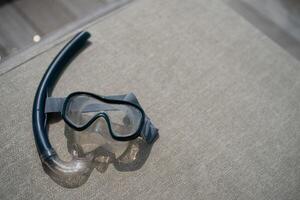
pixel 75 172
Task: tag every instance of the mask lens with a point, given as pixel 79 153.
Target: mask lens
pixel 124 119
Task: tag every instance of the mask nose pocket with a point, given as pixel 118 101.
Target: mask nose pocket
pixel 100 127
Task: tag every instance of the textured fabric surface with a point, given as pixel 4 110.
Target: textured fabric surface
pixel 224 97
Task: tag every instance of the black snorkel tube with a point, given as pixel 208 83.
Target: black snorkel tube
pixel 45 88
pixel 62 172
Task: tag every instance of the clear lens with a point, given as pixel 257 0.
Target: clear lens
pixel 124 119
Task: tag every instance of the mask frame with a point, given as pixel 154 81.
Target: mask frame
pixel 104 115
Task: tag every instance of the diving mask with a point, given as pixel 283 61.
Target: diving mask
pixel 122 114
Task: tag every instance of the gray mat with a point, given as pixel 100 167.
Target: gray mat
pixel 224 97
pixel 279 19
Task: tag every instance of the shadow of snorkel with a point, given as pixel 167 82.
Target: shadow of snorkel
pixel 124 156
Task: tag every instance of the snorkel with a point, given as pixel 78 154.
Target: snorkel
pixel 69 174
pixel 133 124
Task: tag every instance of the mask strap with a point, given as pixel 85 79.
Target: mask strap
pixel 54 104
